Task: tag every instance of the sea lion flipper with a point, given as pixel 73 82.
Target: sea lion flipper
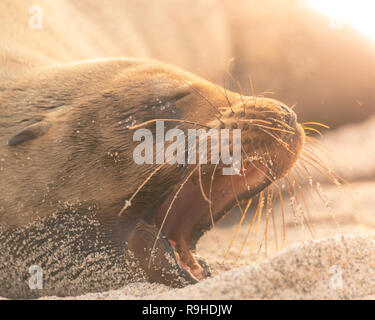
pixel 164 267
pixel 31 132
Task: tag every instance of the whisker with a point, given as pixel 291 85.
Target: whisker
pixel 265 235
pixel 313 130
pixel 316 143
pixel 251 85
pixel 334 178
pixel 266 127
pixel 200 184
pixel 207 100
pixel 280 141
pixel 168 120
pixel 322 168
pixel 306 220
pixel 223 93
pixel 237 83
pixel 254 97
pixel 316 123
pixel 226 93
pixel 248 158
pixel 274 224
pixel 292 200
pixel 235 194
pixel 319 191
pixel 260 207
pixel 267 92
pixel 237 229
pixel 260 201
pixel 255 121
pixel 167 212
pixel 210 202
pixel 283 123
pixel 282 213
pixel 270 191
pixel 128 202
pixel 309 178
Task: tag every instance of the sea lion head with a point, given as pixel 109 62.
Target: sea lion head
pixel 81 126
pixel 271 142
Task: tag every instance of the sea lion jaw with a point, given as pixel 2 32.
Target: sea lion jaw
pixel 267 158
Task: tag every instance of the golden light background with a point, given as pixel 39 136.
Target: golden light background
pixel 359 13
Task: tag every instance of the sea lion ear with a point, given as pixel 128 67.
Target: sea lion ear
pixel 31 132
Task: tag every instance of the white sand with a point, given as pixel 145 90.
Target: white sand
pixel 341 267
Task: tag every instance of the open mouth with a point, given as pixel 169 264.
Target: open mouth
pixel 185 258
pixel 192 215
pixel 201 202
pixel 166 246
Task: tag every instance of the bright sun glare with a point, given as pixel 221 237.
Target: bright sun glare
pixel 359 13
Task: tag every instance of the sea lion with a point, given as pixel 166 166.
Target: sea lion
pixel 90 29
pixel 67 159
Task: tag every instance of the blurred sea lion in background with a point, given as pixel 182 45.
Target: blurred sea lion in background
pixel 185 33
pixel 285 45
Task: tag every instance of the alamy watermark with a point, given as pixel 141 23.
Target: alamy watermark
pixel 183 149
pixel 36 277
pixel 36 19
pixel 335 281
pixel 336 23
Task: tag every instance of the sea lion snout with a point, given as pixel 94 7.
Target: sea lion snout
pixel 290 115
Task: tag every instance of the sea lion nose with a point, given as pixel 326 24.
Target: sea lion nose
pixel 290 116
